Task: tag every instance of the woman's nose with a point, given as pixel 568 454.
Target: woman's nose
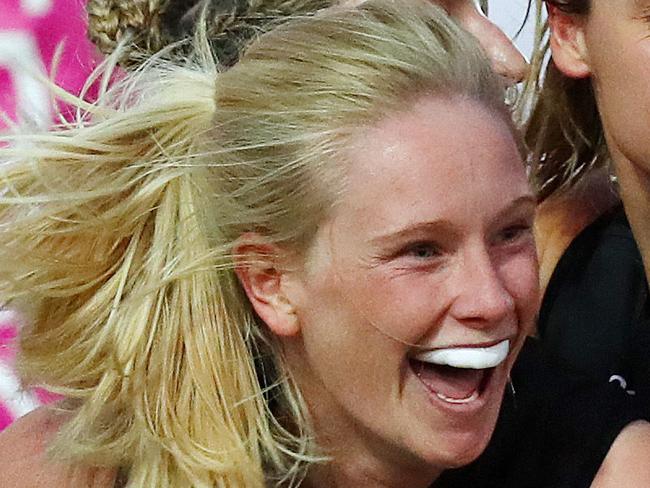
pixel 506 58
pixel 481 296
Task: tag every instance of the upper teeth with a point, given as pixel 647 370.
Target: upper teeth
pixel 468 357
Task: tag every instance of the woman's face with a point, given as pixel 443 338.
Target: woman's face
pixel 417 291
pixel 613 43
pixel 617 36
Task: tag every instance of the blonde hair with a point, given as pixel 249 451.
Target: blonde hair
pixel 118 230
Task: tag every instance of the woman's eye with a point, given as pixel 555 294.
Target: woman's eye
pixel 515 232
pixel 423 250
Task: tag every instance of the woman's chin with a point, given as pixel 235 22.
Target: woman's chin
pixel 466 450
pixel 459 449
pixel 459 433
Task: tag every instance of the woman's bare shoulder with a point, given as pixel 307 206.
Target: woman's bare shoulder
pixel 24 461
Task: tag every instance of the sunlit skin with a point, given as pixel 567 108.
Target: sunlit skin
pixel 617 44
pixel 430 246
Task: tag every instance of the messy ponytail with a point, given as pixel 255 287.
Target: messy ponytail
pixel 117 233
pixel 136 316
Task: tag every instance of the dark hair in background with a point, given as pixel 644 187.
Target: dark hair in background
pixel 564 131
pixel 152 25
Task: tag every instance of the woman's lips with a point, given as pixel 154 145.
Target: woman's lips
pixel 458 375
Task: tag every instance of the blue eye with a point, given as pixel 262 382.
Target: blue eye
pixel 423 250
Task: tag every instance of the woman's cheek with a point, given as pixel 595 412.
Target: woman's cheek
pixel 521 277
pixel 405 305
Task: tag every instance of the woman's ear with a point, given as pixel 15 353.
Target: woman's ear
pixel 261 269
pixel 567 40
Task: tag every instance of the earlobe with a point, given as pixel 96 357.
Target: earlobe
pixel 567 41
pixel 259 270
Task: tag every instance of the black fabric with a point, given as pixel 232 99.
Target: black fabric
pixel 593 319
pixel 557 428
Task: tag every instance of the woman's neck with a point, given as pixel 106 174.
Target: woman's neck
pixel 635 193
pixel 355 455
pixel 349 470
pixel 357 458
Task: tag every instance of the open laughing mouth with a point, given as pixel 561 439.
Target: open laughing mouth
pixel 458 375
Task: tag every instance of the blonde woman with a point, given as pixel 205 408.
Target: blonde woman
pixel 297 271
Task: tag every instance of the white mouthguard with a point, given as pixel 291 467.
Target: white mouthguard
pixel 467 357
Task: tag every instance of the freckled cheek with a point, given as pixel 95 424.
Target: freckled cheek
pixel 404 306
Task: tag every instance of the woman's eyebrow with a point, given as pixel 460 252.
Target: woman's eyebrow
pixel 442 226
pixel 445 227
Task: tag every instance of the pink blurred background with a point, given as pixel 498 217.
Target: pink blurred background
pixel 30 31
